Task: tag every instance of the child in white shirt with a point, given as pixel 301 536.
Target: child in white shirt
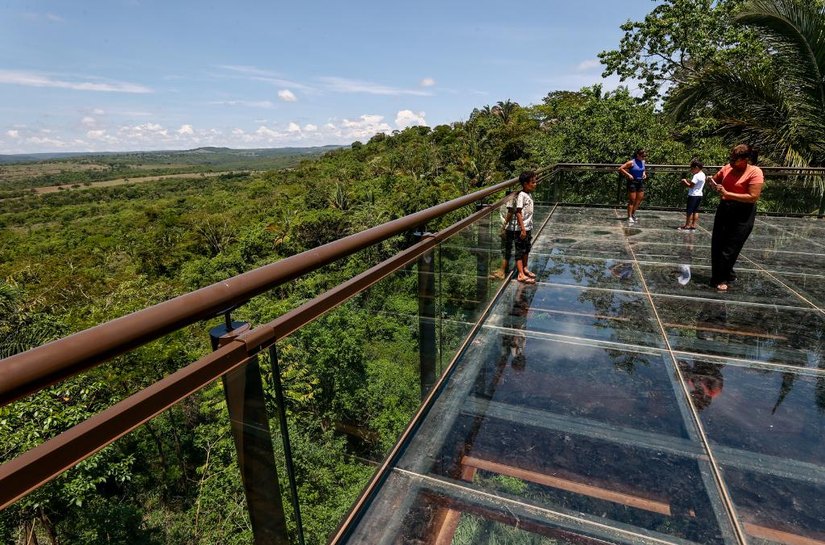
pixel 695 186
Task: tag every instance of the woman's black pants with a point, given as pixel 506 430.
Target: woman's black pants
pixel 731 227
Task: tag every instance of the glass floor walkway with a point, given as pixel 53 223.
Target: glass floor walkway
pixel 622 400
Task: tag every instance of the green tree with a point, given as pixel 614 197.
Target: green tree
pixel 781 115
pixel 675 41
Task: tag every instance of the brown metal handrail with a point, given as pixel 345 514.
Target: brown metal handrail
pixel 28 372
pixel 39 465
pixel 608 167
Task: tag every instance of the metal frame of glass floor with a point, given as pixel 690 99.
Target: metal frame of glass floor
pixel 621 399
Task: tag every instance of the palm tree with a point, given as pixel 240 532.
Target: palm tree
pixel 505 110
pixel 780 108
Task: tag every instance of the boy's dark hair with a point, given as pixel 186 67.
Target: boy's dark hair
pixel 696 163
pixel 526 176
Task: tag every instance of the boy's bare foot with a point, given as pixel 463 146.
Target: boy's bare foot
pixel 531 274
pixel 526 280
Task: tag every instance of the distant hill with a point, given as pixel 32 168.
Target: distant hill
pixel 20 173
pixel 204 155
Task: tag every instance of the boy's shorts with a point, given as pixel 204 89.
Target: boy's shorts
pixel 693 204
pixel 523 245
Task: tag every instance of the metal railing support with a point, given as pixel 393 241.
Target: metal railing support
pixel 483 255
pixel 290 466
pixel 245 402
pixel 428 353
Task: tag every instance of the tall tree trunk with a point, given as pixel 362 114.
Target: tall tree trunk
pixel 49 528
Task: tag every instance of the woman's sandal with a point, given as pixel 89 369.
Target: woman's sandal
pixel 527 280
pixel 531 274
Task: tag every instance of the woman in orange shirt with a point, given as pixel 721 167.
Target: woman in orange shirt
pixel 739 184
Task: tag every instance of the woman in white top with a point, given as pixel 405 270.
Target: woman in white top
pixel 695 186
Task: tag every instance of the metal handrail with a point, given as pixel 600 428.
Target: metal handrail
pixel 30 371
pixel 44 462
pixel 607 167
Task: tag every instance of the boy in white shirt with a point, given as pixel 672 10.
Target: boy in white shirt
pixel 695 187
pixel 524 218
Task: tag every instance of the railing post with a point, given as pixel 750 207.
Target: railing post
pixel 244 393
pixel 483 255
pixel 426 317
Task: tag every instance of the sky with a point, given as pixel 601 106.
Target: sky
pixel 129 75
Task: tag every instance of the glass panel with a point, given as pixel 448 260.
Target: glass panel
pixel 588 272
pixel 173 480
pixel 615 316
pixel 694 281
pixel 767 428
pixel 809 286
pixel 756 332
pixel 545 374
pixel 584 247
pixel 685 251
pixel 415 509
pixel 571 428
pixel 782 261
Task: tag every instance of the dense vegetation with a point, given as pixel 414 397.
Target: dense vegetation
pixel 71 260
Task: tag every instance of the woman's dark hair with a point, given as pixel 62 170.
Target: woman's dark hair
pixel 745 151
pixel 696 163
pixel 639 152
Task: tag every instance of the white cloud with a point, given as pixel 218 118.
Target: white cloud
pixel 266 104
pixel 186 129
pixel 293 127
pixel 258 74
pixel 343 85
pixel 46 142
pixel 427 82
pixel 98 134
pixel 88 121
pixel 48 16
pixel 31 79
pixel 286 95
pixel 407 118
pixel 589 64
pixel 365 126
pixel 98 111
pixel 13 134
pixel 309 127
pixel 266 132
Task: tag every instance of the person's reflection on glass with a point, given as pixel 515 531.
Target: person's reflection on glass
pixel 704 382
pixel 516 321
pixel 622 271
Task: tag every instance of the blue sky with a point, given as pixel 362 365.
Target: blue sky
pixel 121 75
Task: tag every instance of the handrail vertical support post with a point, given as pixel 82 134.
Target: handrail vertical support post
pixel 426 317
pixel 243 389
pixel 290 466
pixel 482 255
